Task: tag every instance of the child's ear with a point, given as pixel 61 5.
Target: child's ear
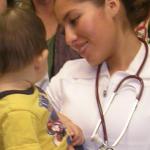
pixel 113 7
pixel 41 59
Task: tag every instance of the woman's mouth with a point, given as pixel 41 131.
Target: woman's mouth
pixel 82 49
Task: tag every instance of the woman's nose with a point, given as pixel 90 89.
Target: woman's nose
pixel 70 36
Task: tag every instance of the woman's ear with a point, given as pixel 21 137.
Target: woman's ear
pixel 40 61
pixel 112 7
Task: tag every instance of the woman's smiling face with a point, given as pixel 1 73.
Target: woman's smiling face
pixel 89 29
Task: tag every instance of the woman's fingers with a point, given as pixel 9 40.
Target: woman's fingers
pixel 74 131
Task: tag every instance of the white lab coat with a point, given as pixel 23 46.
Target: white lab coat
pixel 72 91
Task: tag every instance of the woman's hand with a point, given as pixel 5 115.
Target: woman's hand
pixel 74 131
pixel 70 147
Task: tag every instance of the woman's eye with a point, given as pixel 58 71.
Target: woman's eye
pixel 73 22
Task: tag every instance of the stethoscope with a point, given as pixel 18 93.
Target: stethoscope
pixel 104 145
pixel 140 28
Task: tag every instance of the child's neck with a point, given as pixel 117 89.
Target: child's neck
pixel 13 81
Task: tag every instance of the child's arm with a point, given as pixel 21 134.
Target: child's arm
pixel 20 132
pixel 74 130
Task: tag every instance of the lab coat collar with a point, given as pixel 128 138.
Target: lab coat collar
pixel 78 69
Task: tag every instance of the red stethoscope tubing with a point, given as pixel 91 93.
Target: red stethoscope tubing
pixel 136 76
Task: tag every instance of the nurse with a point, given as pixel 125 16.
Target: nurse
pixel 102 32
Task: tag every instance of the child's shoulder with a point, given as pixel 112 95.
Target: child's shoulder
pixel 21 100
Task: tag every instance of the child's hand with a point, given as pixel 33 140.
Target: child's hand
pixel 74 131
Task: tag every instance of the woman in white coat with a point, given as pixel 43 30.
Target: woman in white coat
pixel 102 32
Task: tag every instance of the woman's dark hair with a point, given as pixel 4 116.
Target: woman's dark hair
pixel 136 10
pixel 22 37
pixel 10 3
